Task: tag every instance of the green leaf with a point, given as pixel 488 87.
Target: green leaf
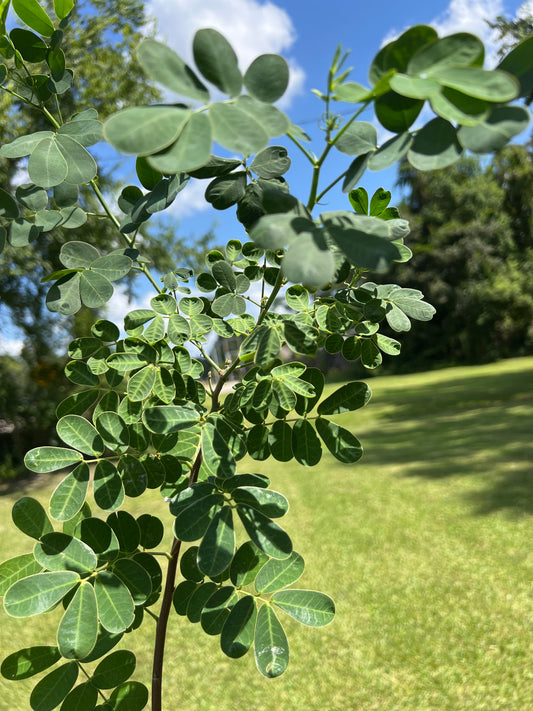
pixel 78 433
pixel 112 266
pixel 64 295
pixel 108 489
pixel 95 289
pixel 341 443
pixel 278 574
pixel 115 669
pixel 113 431
pixel 271 646
pixel 347 398
pixel 130 696
pixel 33 15
pixel 73 217
pixel 126 529
pixel 15 569
pixel 414 87
pixel 495 86
pixel 78 403
pixel 360 137
pixel 124 362
pixel 246 563
pixel 380 200
pixel 198 600
pixel 83 697
pixel 236 130
pixel 193 520
pixel 8 207
pixel 270 503
pixel 370 354
pixel 435 146
pixel 300 337
pixel 63 7
pixel 455 106
pixel 76 254
pixel 271 162
pixel 217 609
pixel 164 419
pixel 309 261
pixel 81 165
pixel 55 686
pixel 366 241
pixel 216 60
pixel 24 145
pixel 135 578
pixel 30 517
pixel 69 495
pixel 218 457
pixel 518 63
pixel 78 628
pixel 280 441
pixel 144 130
pixel 306 606
pixel 38 593
pixel 141 383
pixel 50 459
pixel 190 151
pixel 65 195
pixel 396 54
pixel 359 200
pixel 218 544
pixel 502 124
pixel 22 233
pixel 458 50
pixel 182 595
pixel 47 166
pixel 390 152
pixel 28 662
pixel 266 534
pixel 225 191
pixel 31 47
pixel 305 443
pixel 151 529
pixel 164 66
pixel 115 604
pixel 58 551
pixel 267 78
pixel 238 632
pixel 397 113
pixel 273 121
pixel 80 373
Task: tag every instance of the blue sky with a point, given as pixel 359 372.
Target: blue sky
pixel 306 33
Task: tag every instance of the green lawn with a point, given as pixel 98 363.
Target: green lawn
pixel 425 545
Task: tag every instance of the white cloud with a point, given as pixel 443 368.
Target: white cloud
pixel 525 10
pixel 11 346
pixel 252 27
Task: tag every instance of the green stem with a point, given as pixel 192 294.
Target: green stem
pixel 304 150
pixel 143 268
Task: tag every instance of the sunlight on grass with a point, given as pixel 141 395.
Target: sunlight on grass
pixel 425 545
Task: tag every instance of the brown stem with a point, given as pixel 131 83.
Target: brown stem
pixel 166 604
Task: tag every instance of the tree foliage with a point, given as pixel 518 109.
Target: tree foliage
pixel 144 415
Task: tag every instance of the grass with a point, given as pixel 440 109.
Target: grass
pixel 425 545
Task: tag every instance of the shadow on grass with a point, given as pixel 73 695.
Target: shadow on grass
pixel 480 425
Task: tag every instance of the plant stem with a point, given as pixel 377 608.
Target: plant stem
pixel 101 199
pixel 161 627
